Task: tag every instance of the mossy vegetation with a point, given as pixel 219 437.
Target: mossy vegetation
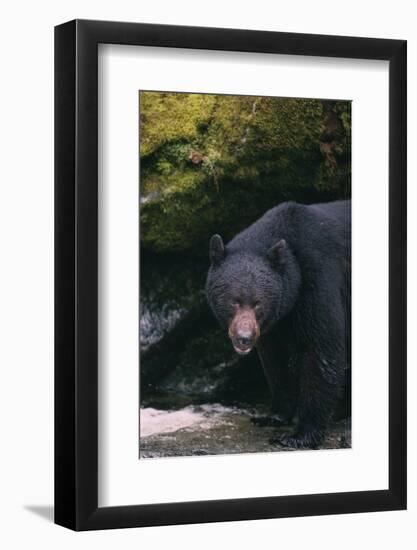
pixel 215 163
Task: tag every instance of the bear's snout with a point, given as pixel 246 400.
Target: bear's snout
pixel 244 331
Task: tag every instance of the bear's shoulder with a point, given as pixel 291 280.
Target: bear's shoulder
pixel 306 228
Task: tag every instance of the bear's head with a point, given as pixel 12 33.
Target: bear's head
pixel 249 291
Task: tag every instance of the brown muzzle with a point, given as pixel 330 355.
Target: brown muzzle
pixel 244 330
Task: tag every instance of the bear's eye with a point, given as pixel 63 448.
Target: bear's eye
pixel 235 303
pixel 256 306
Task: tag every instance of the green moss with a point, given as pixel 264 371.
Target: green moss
pixel 166 116
pixel 215 163
pixel 344 111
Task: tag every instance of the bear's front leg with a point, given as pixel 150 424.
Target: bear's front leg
pixel 281 381
pixel 319 386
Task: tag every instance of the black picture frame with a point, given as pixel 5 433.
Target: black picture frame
pixel 76 271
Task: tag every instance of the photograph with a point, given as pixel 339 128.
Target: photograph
pixel 245 274
pixel 208 335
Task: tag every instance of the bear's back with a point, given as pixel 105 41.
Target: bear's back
pixel 319 230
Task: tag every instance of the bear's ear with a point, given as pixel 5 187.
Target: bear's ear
pixel 276 254
pixel 217 251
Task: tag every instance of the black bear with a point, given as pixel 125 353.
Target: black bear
pixel 283 286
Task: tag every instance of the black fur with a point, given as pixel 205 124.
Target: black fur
pixel 293 264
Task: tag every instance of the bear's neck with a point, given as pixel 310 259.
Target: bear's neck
pixel 291 283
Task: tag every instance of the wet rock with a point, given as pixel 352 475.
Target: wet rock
pixel 172 308
pixel 214 429
pixel 208 368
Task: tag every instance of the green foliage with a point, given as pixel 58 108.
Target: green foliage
pixel 214 163
pixel 168 117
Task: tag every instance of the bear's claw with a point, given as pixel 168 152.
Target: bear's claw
pixel 309 440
